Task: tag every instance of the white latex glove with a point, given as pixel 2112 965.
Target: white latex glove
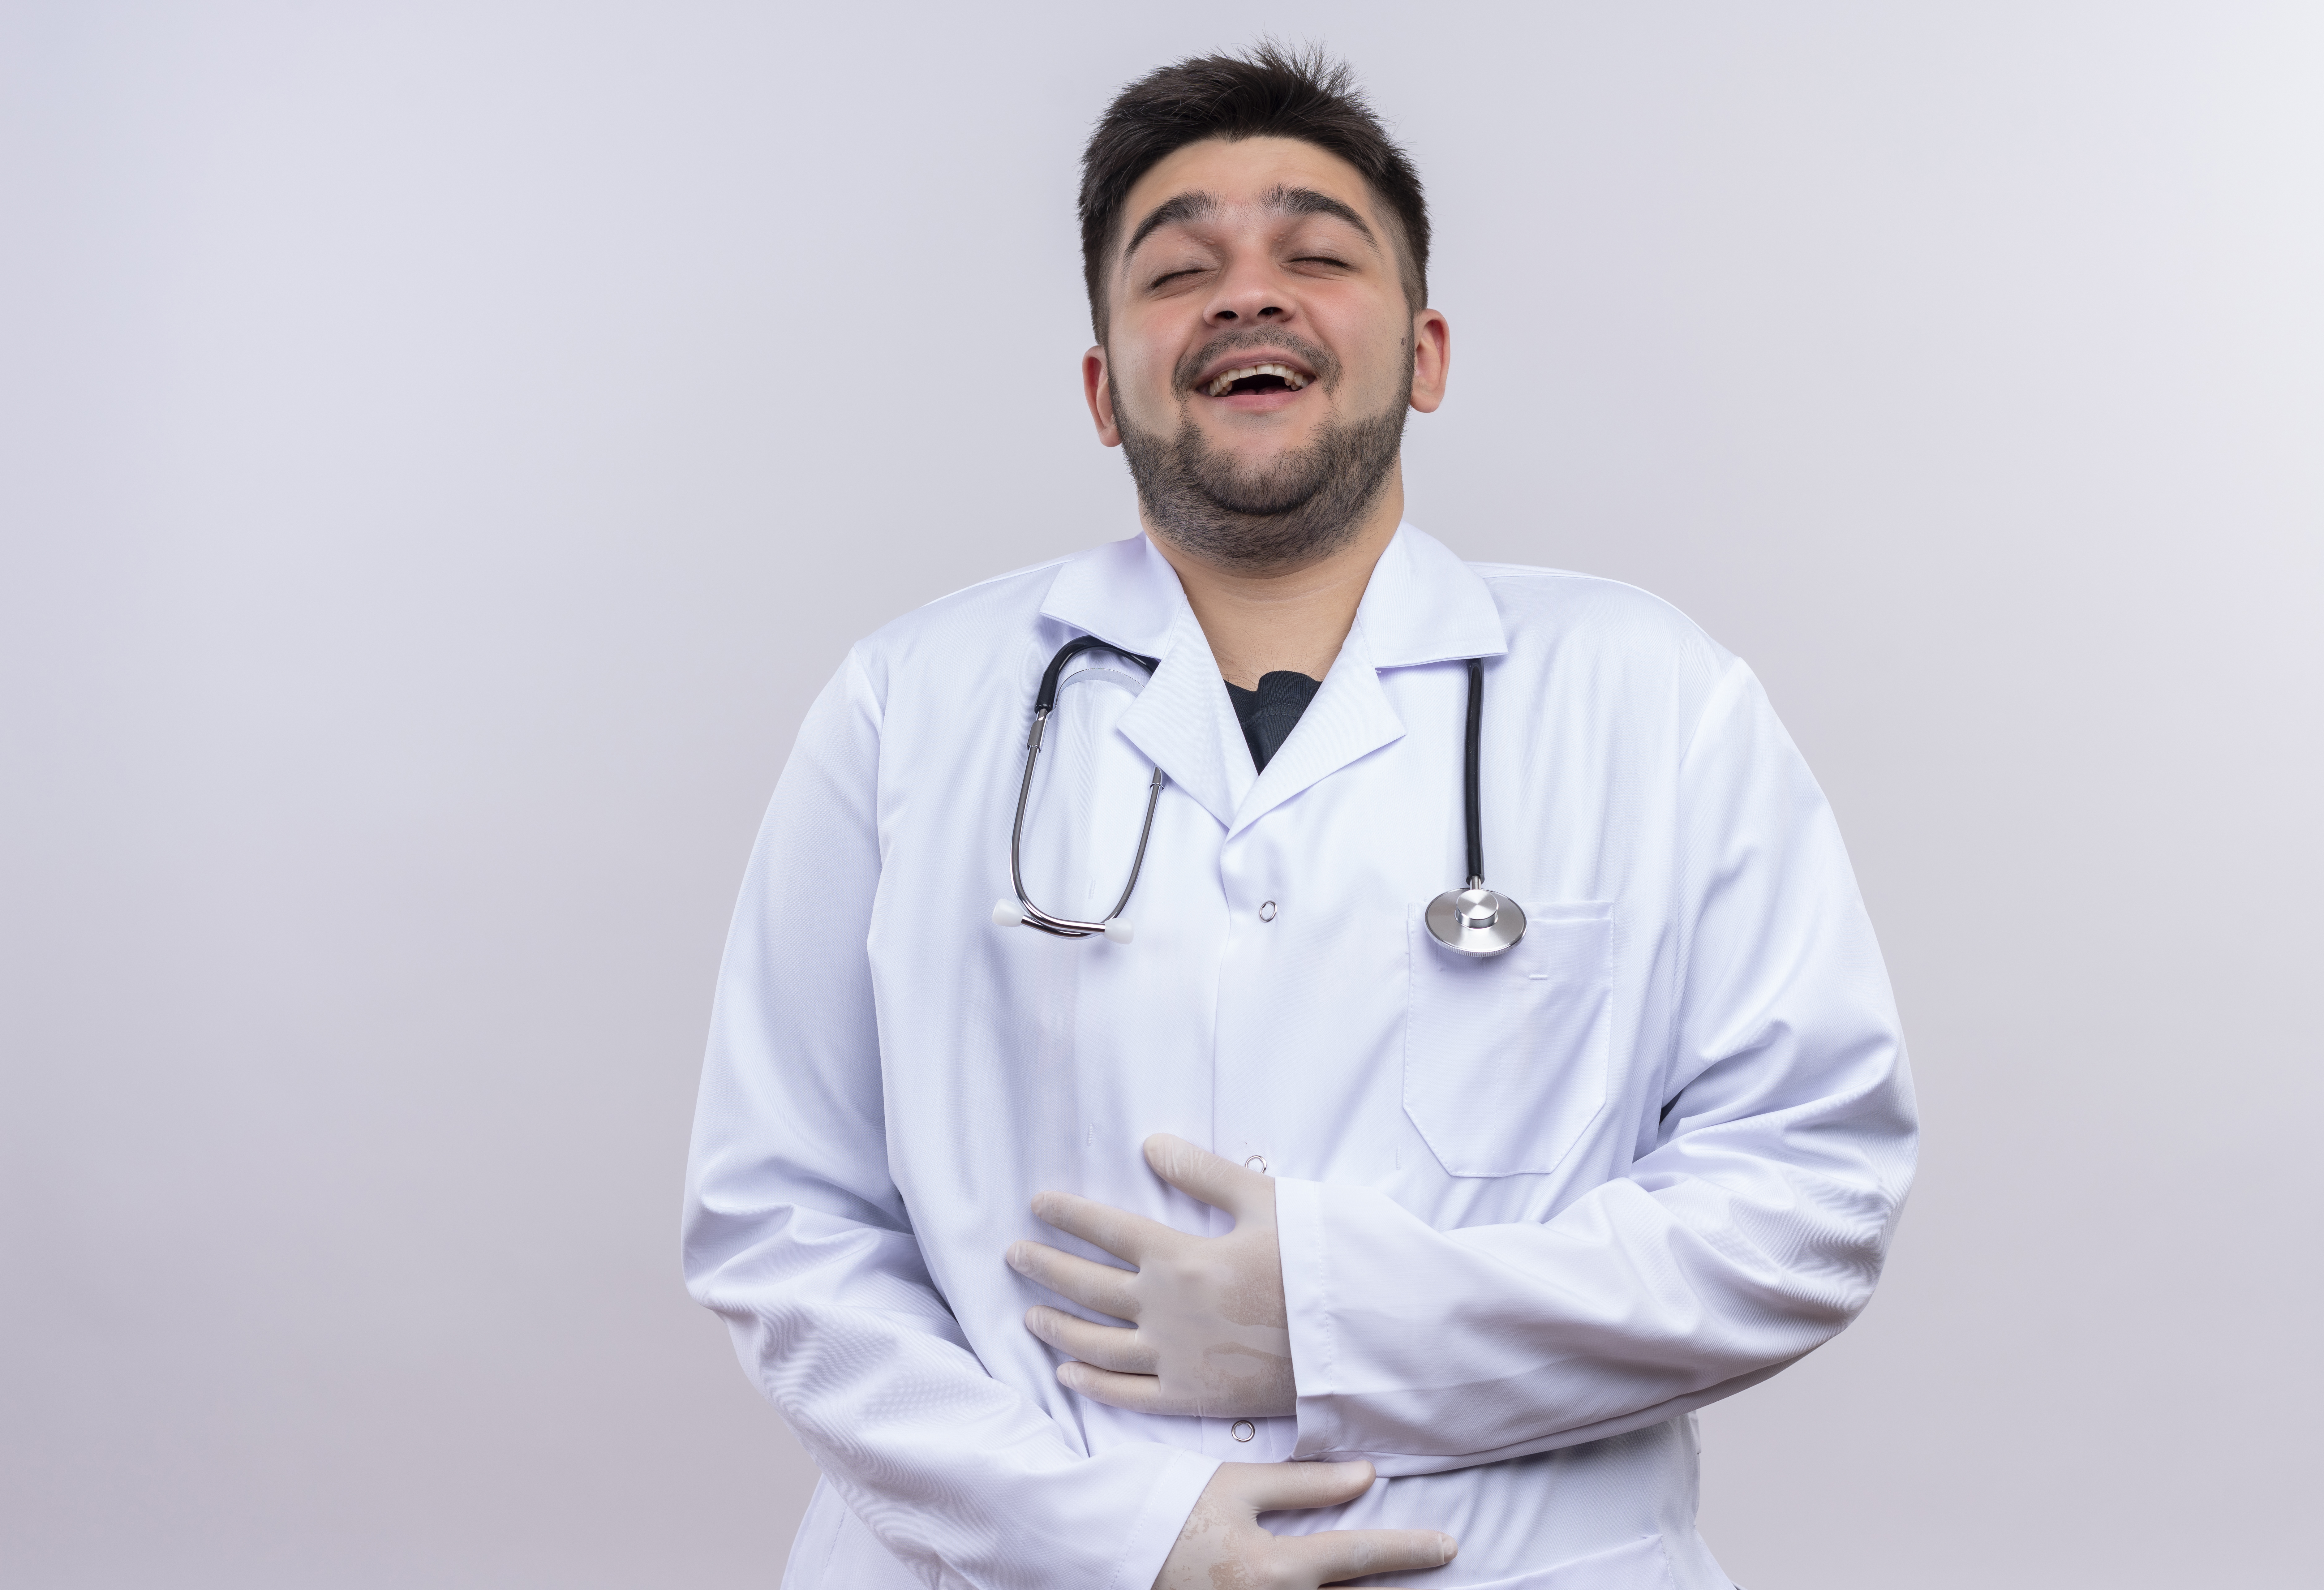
pixel 1223 1546
pixel 1208 1332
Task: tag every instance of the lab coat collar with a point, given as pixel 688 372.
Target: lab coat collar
pixel 1126 593
pixel 1422 606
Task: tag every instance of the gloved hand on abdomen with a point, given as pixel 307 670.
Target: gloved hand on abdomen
pixel 1208 1334
pixel 1221 1543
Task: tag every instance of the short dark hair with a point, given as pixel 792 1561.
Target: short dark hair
pixel 1270 93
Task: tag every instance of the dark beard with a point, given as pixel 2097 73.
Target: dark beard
pixel 1292 513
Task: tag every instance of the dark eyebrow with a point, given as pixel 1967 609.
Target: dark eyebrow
pixel 1284 201
pixel 1307 201
pixel 1186 206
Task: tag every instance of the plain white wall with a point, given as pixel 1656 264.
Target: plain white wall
pixel 443 447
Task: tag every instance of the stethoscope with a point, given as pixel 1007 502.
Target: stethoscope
pixel 1474 920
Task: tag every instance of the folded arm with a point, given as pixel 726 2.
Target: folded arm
pixel 1749 1230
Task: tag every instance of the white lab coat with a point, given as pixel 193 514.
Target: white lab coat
pixel 1534 1210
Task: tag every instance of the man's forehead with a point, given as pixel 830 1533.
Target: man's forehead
pixel 1245 171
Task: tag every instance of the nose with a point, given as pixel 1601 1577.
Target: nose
pixel 1250 294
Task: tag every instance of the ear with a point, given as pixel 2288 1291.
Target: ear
pixel 1431 359
pixel 1097 389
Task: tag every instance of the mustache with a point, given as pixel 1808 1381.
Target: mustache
pixel 1320 360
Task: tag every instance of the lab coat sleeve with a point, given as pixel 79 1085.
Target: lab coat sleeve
pixel 794 1233
pixel 1748 1231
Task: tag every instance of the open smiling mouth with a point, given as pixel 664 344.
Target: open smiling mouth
pixel 1256 378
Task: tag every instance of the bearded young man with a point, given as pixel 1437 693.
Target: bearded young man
pixel 1480 1231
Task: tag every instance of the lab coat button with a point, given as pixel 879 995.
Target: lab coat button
pixel 1244 1429
pixel 1267 910
pixel 1255 1162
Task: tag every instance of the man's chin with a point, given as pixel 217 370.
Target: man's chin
pixel 1238 453
pixel 1261 498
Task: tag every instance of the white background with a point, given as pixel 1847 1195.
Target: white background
pixel 444 448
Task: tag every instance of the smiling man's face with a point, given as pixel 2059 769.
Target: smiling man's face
pixel 1261 351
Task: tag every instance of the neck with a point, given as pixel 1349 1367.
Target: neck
pixel 1259 622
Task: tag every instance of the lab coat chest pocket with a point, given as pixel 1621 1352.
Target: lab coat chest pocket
pixel 1504 1058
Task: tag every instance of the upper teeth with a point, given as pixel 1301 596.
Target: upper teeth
pixel 1225 382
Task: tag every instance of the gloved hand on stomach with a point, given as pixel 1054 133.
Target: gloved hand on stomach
pixel 1208 1334
pixel 1222 1544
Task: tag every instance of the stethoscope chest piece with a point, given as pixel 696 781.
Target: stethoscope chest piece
pixel 1475 920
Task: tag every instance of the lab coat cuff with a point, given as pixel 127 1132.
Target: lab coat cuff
pixel 1307 1303
pixel 1155 1530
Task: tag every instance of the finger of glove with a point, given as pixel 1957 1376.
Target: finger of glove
pixel 1221 1183
pixel 1086 1281
pixel 1117 1231
pixel 1139 1393
pixel 1101 1346
pixel 1330 1556
pixel 1272 1487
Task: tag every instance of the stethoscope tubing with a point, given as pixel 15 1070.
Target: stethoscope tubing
pixel 1474 921
pixel 1045 702
pixel 1473 755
